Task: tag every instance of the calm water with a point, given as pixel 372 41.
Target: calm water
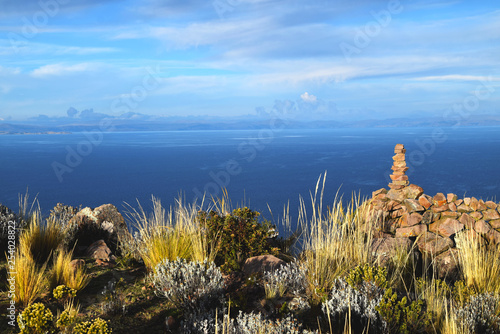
pixel 257 167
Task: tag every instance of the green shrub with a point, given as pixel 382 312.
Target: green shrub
pixel 36 318
pixel 63 292
pixel 236 236
pixel 367 273
pixel 402 316
pixel 97 326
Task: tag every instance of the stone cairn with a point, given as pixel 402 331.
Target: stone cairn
pixel 405 216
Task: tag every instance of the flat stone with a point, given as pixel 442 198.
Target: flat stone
pixel 482 227
pixel 413 191
pixel 429 217
pixel 491 214
pixel 399 164
pixel 378 192
pixel 399 147
pixel 474 203
pixel 441 208
pixel 384 249
pixel 433 244
pixel 447 265
pixel 412 205
pixel 380 197
pixel 481 205
pixel 446 227
pixel 398 170
pixel 400 183
pixel 451 197
pixel 259 264
pixel 476 215
pixel 425 202
pixel 458 202
pixel 395 195
pixel 398 177
pixel 439 199
pixel 412 231
pixel 463 208
pixel 410 219
pixel 399 157
pixel 467 220
pixel 450 214
pixel 491 204
pixel 495 223
pixel 395 187
pixel 452 206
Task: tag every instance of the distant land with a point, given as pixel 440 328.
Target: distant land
pixel 88 120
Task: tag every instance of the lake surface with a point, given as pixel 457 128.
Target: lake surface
pixel 258 167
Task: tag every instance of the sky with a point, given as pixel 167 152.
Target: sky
pixel 332 59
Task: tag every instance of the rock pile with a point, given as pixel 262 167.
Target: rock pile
pixel 433 223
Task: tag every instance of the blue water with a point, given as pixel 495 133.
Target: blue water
pixel 258 167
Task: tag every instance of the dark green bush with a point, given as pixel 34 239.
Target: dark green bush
pixel 236 236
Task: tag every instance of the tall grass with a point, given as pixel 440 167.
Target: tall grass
pixel 39 240
pixel 334 242
pixel 171 235
pixel 62 273
pixel 29 278
pixel 480 264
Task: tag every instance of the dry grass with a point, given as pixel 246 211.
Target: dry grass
pixel 336 242
pixel 62 273
pixel 29 279
pixel 173 235
pixel 480 264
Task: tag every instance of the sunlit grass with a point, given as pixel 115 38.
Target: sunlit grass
pixel 29 278
pixel 62 273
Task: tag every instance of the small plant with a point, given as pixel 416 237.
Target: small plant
pixel 480 315
pixel 236 236
pixel 67 317
pixel 188 284
pixel 367 273
pixel 63 292
pixel 62 272
pixel 35 319
pixel 97 326
pixel 289 278
pixel 29 279
pixel 403 317
pixel 113 303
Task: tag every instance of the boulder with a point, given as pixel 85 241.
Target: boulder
pixel 413 191
pixel 439 199
pixel 482 227
pixel 412 231
pixel 100 251
pixel 259 264
pixel 476 215
pixel 385 249
pixel 447 266
pixel 412 205
pixel 410 219
pixel 432 244
pixel 425 201
pixel 491 205
pixel 103 222
pixel 446 227
pixel 467 220
pixel 491 214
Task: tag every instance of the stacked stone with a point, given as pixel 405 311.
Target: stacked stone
pixel 398 177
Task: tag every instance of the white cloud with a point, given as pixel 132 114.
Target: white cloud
pixel 306 97
pixel 60 69
pixel 456 77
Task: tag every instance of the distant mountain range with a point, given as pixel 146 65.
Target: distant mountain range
pixel 88 120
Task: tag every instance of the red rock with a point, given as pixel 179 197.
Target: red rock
pixel 446 227
pixel 259 264
pixel 474 204
pixel 482 227
pixel 458 202
pixel 476 215
pixel 451 198
pixel 441 208
pixel 399 157
pixel 413 191
pixel 399 177
pixel 412 205
pixel 447 265
pixel 433 244
pixel 495 223
pixel 491 204
pixel 410 219
pixel 424 201
pixel 395 187
pixel 439 199
pixel 452 206
pixel 491 214
pixel 412 231
pixel 493 237
pixel 467 220
pixel 384 249
pixel 378 192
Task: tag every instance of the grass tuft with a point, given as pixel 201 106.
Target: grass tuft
pixel 29 279
pixel 62 273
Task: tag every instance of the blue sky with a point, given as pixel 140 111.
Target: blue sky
pixel 337 59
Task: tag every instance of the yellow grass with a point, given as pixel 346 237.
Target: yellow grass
pixel 62 273
pixel 171 235
pixel 480 264
pixel 29 279
pixel 336 242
